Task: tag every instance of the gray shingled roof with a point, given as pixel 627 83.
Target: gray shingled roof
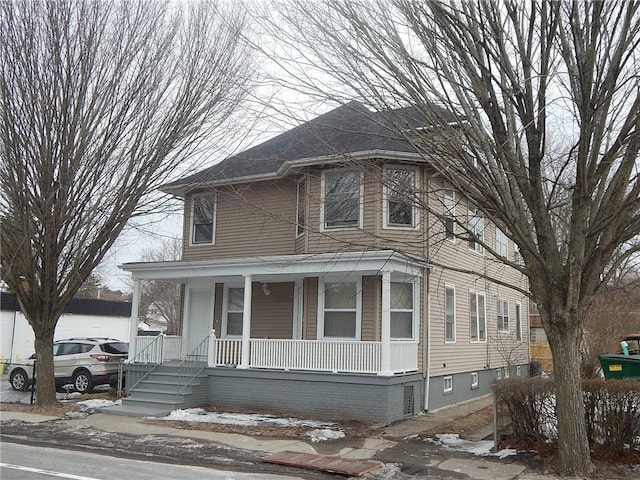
pixel 347 129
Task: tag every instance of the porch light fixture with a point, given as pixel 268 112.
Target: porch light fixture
pixel 265 289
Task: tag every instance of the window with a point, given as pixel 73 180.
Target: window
pixel 401 310
pixel 477 324
pixel 300 207
pixel 506 372
pixel 340 313
pixel 517 258
pixel 234 312
pixel 498 373
pixel 449 214
pixel 518 322
pixel 518 371
pixel 400 192
pixel 474 380
pixel 475 224
pixel 448 384
pixel 341 199
pixel 203 220
pixel 501 243
pixel 449 314
pixel 503 315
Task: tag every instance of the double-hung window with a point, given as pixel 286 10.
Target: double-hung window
pixel 301 207
pixel 400 192
pixel 341 202
pixel 401 311
pixel 501 243
pixel 340 314
pixel 234 310
pixel 475 225
pixel 449 202
pixel 449 314
pixel 477 320
pixel 203 220
pixel 502 309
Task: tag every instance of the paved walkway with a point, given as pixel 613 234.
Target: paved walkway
pixel 475 468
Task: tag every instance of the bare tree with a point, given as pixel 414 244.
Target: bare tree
pixel 162 299
pixel 509 74
pixel 99 103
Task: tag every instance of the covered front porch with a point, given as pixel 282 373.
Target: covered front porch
pixel 290 313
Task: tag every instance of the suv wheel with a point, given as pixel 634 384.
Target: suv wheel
pixel 19 380
pixel 82 382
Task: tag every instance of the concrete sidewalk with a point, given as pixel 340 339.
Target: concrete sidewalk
pixel 480 468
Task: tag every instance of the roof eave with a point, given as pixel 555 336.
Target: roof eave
pixel 180 190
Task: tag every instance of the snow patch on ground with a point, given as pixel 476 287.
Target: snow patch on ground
pixel 96 404
pixel 481 448
pixel 242 419
pixel 324 434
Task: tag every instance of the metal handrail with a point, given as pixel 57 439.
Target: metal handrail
pixel 141 359
pixel 193 364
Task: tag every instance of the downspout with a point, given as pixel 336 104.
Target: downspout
pixel 426 341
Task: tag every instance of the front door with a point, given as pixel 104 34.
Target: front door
pixel 200 317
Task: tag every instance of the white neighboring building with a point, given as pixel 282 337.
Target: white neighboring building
pixel 83 317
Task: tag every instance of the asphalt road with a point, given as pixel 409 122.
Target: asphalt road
pixel 34 463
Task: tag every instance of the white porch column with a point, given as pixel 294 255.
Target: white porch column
pixel 133 321
pixel 186 321
pixel 246 323
pixel 385 331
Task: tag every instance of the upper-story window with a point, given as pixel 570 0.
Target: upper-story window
pixel 475 224
pixel 301 207
pixel 203 220
pixel 518 322
pixel 501 243
pixel 341 202
pixel 449 202
pixel 449 314
pixel 400 190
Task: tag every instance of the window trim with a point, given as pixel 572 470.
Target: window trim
pixel 225 309
pixel 415 220
pixel 414 308
pixel 213 221
pixel 323 223
pixel 446 389
pixel 453 288
pixel 321 310
pixel 502 245
pixel 475 381
pixel 449 213
pixel 484 316
pixel 502 316
pixel 475 214
pixel 301 227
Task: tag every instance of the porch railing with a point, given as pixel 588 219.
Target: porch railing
pixel 194 363
pixel 159 349
pixel 362 357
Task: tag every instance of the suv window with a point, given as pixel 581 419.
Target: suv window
pixel 115 348
pixel 69 348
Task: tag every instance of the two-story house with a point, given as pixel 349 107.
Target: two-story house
pixel 326 272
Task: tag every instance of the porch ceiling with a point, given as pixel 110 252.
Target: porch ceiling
pixel 281 268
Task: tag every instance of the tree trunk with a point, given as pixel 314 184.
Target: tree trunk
pixel 573 445
pixel 45 383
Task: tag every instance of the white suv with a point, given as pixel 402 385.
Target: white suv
pixel 82 362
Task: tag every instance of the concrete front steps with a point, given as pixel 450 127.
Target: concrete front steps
pixel 156 395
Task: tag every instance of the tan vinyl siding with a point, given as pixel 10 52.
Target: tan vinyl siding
pixel 310 327
pixel 251 219
pixel 272 315
pixel 370 309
